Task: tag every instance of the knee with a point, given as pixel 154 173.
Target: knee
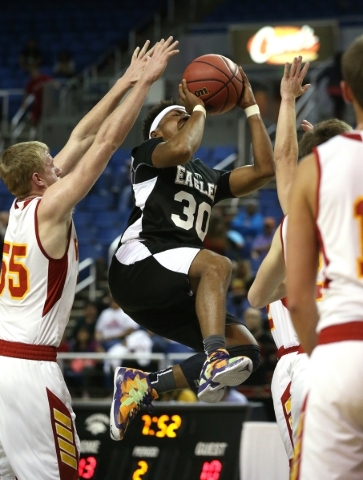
pixel 220 266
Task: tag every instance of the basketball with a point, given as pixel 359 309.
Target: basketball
pixel 216 80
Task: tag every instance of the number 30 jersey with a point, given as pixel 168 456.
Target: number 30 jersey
pixel 172 205
pixel 36 291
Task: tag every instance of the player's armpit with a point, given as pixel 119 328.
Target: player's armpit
pixel 271 274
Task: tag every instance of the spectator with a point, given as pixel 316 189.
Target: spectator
pixel 65 66
pixel 248 221
pixel 84 373
pixel 262 243
pixel 87 320
pixel 113 326
pixel 35 87
pixel 31 56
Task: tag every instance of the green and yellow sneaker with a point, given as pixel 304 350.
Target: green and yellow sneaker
pixel 132 389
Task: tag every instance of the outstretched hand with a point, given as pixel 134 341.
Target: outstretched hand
pixel 138 63
pixel 291 83
pixel 161 53
pixel 247 98
pixel 187 98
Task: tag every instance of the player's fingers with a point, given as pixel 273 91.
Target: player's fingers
pixel 286 69
pixel 244 76
pixel 293 67
pixel 136 51
pixel 304 70
pixel 172 46
pixel 144 48
pixel 306 87
pixel 151 51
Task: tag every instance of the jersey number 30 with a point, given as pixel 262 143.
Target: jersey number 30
pixel 190 211
pixel 13 271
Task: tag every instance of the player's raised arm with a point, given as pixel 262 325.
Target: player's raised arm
pixel 61 196
pixel 269 285
pixel 286 146
pixel 244 180
pixel 302 253
pixel 85 131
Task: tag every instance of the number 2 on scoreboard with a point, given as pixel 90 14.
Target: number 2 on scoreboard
pixel 140 472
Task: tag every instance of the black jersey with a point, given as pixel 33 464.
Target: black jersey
pixel 172 205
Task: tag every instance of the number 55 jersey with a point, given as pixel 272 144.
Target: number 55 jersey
pixel 36 291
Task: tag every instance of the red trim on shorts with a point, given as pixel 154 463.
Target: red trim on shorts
pixel 300 350
pixel 341 333
pixel 27 351
pixel 296 461
pixel 286 403
pixel 284 351
pixel 64 438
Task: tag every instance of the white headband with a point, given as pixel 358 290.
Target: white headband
pixel 161 115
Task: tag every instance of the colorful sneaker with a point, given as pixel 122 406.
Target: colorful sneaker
pixel 220 370
pixel 132 389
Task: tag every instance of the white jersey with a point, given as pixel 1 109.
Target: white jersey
pixel 339 221
pixel 36 291
pixel 282 329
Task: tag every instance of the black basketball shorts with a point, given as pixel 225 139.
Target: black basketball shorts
pixel 151 285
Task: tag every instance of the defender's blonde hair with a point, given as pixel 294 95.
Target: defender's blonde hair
pixel 19 162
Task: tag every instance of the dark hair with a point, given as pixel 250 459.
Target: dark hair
pixel 352 68
pixel 153 113
pixel 321 132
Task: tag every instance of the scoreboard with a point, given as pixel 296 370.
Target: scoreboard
pixel 176 441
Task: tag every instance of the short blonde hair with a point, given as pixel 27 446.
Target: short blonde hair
pixel 19 162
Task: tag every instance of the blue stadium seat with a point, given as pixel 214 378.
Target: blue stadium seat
pixel 97 203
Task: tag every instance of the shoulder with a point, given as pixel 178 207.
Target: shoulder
pixel 147 147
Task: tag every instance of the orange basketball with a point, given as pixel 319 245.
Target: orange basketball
pixel 216 80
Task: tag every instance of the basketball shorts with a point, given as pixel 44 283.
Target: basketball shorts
pixel 150 283
pixel 281 396
pixel 332 440
pixel 37 434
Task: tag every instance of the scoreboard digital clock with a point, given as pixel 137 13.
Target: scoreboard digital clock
pixel 177 441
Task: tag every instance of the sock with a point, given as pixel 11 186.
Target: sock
pixel 213 342
pixel 163 380
pixel 191 368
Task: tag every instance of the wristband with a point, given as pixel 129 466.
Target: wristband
pixel 200 108
pixel 252 110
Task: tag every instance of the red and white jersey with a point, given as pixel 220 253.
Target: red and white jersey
pixel 36 291
pixel 339 221
pixel 282 329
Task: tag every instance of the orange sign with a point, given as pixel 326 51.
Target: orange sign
pixel 277 45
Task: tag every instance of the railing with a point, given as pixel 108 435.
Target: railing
pixel 88 281
pixel 164 359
